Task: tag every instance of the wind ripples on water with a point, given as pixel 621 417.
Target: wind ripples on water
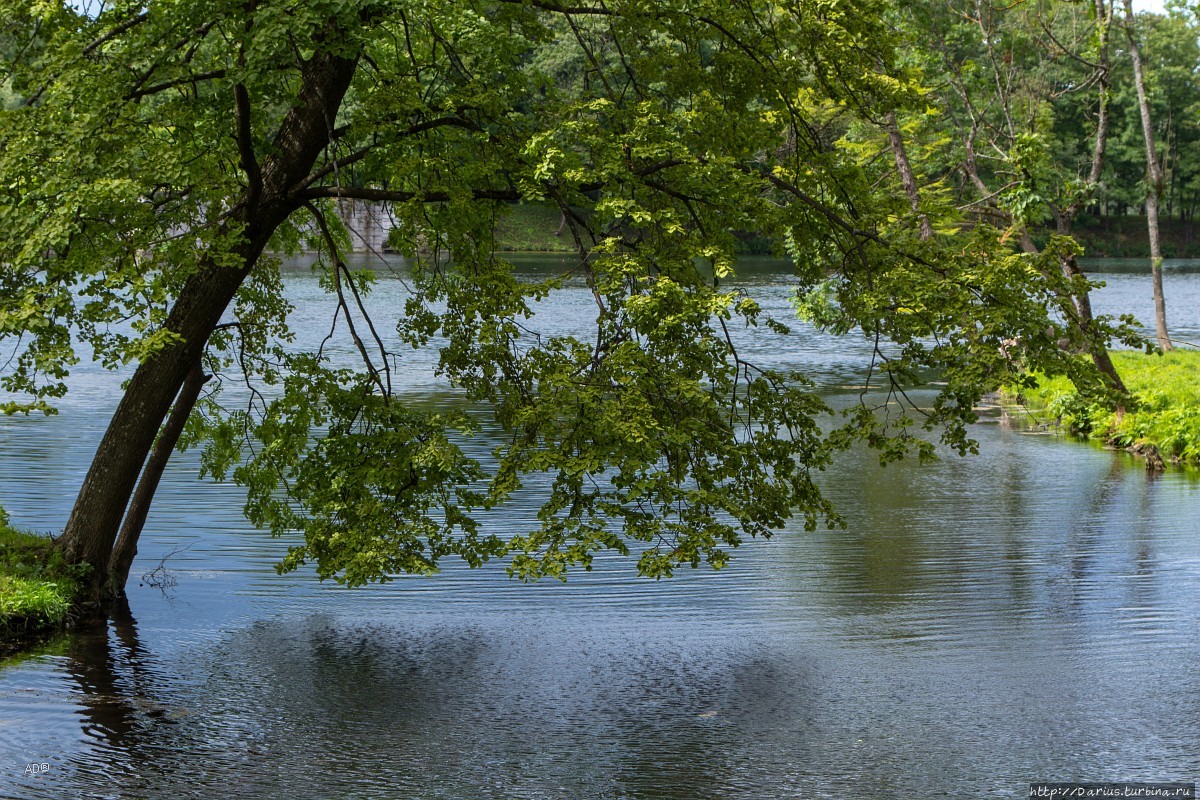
pixel 1030 613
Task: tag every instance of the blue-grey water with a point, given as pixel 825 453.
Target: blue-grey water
pixel 1028 614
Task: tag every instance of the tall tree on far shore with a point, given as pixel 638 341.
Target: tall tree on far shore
pixel 1154 179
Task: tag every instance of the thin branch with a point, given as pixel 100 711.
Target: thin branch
pixel 359 155
pixel 338 268
pixel 986 200
pixel 108 37
pixel 335 165
pixel 548 5
pixel 383 353
pixel 827 212
pixel 1066 50
pixel 389 196
pixel 115 32
pixel 188 79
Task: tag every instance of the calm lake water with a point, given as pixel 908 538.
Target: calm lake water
pixel 1029 614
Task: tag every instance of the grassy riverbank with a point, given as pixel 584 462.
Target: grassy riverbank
pixel 534 229
pixel 36 588
pixel 1165 414
pixel 530 228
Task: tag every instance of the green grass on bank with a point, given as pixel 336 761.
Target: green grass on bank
pixel 1165 412
pixel 531 229
pixel 36 588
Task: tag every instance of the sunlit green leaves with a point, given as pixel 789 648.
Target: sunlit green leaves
pixel 658 130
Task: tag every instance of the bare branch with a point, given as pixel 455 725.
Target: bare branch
pixel 390 196
pixel 338 269
pixel 188 79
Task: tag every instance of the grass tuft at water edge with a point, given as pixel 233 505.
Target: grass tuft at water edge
pixel 37 589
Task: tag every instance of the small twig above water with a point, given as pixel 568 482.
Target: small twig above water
pixel 160 577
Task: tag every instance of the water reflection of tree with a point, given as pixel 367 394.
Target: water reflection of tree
pixel 113 672
pixel 719 734
pixel 880 560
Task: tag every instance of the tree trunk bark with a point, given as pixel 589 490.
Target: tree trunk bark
pixel 272 195
pixel 1100 356
pixel 100 505
pixel 907 179
pixel 125 548
pixel 1160 302
pixel 1154 181
pixel 1065 219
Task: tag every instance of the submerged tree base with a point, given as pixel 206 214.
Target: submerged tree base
pixel 1162 424
pixel 37 589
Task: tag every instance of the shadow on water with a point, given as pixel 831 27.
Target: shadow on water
pixel 926 646
pixel 314 707
pixel 105 661
pixel 115 690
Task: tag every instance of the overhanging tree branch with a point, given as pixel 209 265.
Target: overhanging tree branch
pixel 391 196
pixel 187 79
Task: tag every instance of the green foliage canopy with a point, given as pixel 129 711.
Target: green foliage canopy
pixel 134 137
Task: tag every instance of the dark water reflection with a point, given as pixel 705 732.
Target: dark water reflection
pixel 1032 613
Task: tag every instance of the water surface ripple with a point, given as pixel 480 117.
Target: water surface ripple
pixel 1028 614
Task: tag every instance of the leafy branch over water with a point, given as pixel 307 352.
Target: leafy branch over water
pixel 156 154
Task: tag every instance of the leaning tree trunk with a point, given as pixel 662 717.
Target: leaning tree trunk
pixel 1082 318
pixel 272 195
pixel 100 505
pixel 1154 182
pixel 125 548
pixel 1065 217
pixel 1099 353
